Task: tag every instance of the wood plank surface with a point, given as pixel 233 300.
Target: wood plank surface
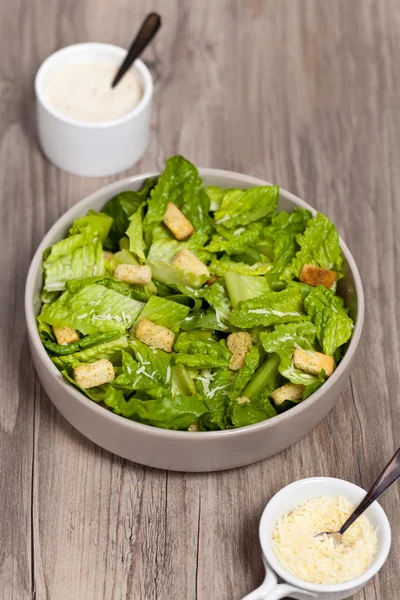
pixel 305 93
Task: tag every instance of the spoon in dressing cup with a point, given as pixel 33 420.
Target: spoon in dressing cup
pixel 389 475
pixel 146 33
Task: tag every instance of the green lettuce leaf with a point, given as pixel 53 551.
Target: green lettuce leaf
pixel 180 184
pixel 243 376
pixel 215 194
pixel 135 235
pixel 283 342
pixel 120 208
pixel 111 350
pixel 239 208
pixel 93 309
pixel 217 296
pixel 193 351
pixel 223 266
pixel 334 326
pixel 248 413
pixel 204 319
pixel 84 230
pixel 179 412
pixel 150 373
pixel 319 246
pixel 213 387
pixel 269 309
pixel 240 240
pixel 84 261
pixel 283 230
pixel 244 287
pixel 164 312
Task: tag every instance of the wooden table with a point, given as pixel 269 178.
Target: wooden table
pixel 305 93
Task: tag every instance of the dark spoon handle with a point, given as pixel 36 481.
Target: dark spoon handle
pixel 148 30
pixel 389 475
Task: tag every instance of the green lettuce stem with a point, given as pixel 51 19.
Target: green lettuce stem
pixel 183 380
pixel 260 379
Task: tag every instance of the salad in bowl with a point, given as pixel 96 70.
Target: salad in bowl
pixel 195 308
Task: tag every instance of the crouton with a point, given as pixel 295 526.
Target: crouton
pixel 194 427
pixel 155 336
pixel 185 259
pixel 133 274
pixel 65 335
pixel 313 362
pixel 90 375
pixel 239 344
pixel 176 222
pixel 316 276
pixel 289 391
pixel 108 255
pixel 243 400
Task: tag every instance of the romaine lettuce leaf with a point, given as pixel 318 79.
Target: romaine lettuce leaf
pixel 248 413
pixel 180 184
pixel 150 373
pixel 179 412
pixel 135 235
pixel 93 309
pixel 334 326
pixel 193 351
pixel 164 312
pixel 244 287
pixel 217 296
pixel 283 230
pixel 213 388
pixel 111 350
pixel 203 319
pixel 121 207
pixel 84 261
pixel 84 230
pixel 269 309
pixel 283 342
pixel 240 240
pixel 239 208
pixel 215 194
pixel 243 376
pixel 223 266
pixel 319 246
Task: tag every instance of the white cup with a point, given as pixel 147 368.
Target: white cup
pixel 92 149
pixel 285 501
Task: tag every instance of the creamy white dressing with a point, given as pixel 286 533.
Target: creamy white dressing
pixel 83 92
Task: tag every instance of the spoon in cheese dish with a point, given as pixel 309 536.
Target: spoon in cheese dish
pixel 389 475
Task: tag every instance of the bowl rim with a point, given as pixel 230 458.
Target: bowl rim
pixel 113 188
pixel 144 72
pixel 360 580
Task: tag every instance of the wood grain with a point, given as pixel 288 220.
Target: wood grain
pixel 304 93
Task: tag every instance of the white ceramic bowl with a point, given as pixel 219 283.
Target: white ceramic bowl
pixel 92 149
pixel 180 450
pixel 286 500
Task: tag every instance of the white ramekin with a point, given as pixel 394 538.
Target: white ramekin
pixel 286 500
pixel 92 149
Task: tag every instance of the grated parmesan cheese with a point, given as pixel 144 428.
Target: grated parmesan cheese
pixel 319 559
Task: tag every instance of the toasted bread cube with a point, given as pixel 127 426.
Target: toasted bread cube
pixel 239 344
pixel 289 391
pixel 316 276
pixel 135 274
pixel 93 374
pixel 194 427
pixel 108 255
pixel 65 335
pixel 176 222
pixel 155 336
pixel 313 362
pixel 185 259
pixel 243 400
